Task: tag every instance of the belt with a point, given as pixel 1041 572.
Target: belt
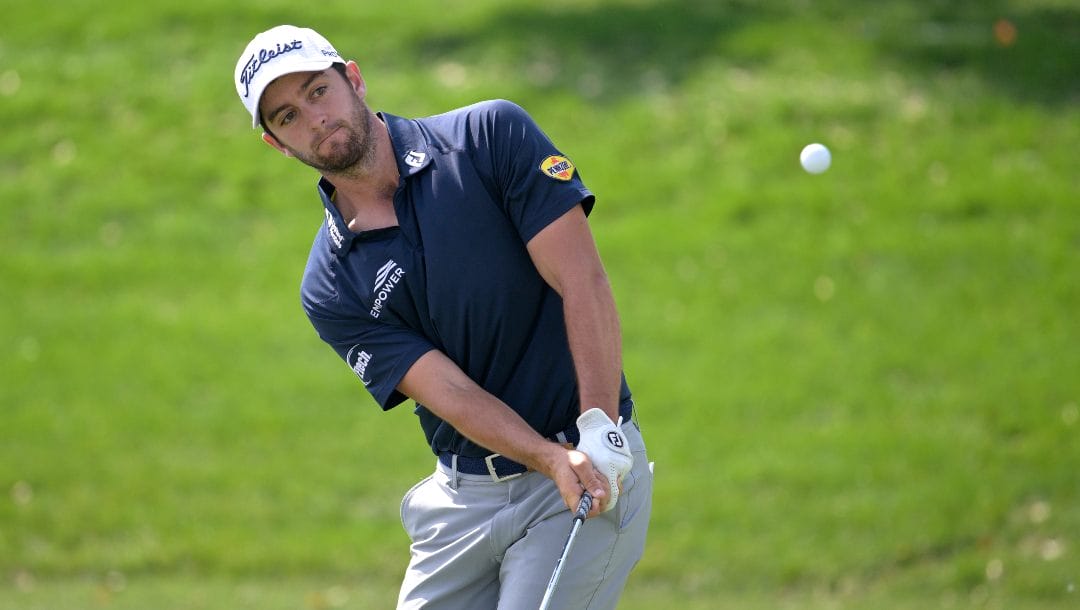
pixel 502 468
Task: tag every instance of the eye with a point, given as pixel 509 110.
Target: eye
pixel 287 118
pixel 319 91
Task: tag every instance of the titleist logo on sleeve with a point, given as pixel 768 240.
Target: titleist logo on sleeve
pixel 260 59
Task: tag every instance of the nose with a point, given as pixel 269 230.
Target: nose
pixel 318 118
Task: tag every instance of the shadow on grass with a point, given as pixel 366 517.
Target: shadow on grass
pixel 623 47
pixel 1030 54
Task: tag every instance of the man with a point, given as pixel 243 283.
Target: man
pixel 456 268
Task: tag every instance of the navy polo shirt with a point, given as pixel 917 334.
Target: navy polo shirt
pixel 476 185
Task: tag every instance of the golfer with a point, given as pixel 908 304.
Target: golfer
pixel 455 267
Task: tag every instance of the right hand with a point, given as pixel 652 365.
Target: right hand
pixel 573 472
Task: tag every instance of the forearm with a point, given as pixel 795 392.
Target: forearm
pixel 440 385
pixel 592 327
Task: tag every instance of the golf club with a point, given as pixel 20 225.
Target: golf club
pixel 584 506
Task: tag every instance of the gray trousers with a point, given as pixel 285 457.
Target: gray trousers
pixel 478 544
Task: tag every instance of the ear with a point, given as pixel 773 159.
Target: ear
pixel 273 142
pixel 352 72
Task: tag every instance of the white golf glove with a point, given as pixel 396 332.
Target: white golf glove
pixel 605 444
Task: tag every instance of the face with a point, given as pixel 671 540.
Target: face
pixel 321 119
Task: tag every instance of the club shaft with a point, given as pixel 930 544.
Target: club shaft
pixel 558 567
pixel 579 517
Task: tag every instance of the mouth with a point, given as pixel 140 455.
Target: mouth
pixel 327 136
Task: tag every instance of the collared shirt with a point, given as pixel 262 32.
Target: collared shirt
pixel 476 185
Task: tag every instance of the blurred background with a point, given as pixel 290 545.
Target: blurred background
pixel 861 389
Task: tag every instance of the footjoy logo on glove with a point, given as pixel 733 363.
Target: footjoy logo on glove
pixel 615 439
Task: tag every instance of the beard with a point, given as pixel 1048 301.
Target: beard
pixel 351 157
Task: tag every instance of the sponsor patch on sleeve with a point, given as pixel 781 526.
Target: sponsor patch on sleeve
pixel 358 361
pixel 557 167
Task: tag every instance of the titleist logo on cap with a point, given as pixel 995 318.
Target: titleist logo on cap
pixel 258 60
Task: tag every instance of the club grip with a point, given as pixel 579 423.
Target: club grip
pixel 584 506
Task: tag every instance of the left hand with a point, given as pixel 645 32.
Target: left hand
pixel 605 444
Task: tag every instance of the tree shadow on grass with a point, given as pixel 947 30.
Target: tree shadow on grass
pixel 624 47
pixel 1031 54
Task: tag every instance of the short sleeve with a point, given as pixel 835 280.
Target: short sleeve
pixel 379 354
pixel 536 182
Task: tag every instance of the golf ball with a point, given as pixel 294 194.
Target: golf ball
pixel 815 158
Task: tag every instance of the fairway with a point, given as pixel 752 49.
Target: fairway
pixel 861 388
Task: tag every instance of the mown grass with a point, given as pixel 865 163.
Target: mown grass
pixel 859 388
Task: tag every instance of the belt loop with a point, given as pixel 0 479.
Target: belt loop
pixel 453 471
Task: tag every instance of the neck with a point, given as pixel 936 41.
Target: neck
pixel 365 195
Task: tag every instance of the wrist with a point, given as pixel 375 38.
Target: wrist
pixel 611 409
pixel 545 457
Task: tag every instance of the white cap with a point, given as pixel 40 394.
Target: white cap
pixel 276 52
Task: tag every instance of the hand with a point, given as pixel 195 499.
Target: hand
pixel 603 441
pixel 573 473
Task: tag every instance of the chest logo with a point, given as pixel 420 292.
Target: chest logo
pixel 557 167
pixel 386 279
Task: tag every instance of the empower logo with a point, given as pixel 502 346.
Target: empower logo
pixel 387 278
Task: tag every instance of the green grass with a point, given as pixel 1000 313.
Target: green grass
pixel 860 388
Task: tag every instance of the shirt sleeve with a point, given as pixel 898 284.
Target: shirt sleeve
pixel 535 182
pixel 378 353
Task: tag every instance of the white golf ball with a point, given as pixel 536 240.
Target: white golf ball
pixel 815 158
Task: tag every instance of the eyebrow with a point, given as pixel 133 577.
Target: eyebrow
pixel 303 87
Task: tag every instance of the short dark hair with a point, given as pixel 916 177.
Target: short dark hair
pixel 338 66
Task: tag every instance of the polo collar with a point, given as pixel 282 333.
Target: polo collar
pixel 338 235
pixel 411 147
